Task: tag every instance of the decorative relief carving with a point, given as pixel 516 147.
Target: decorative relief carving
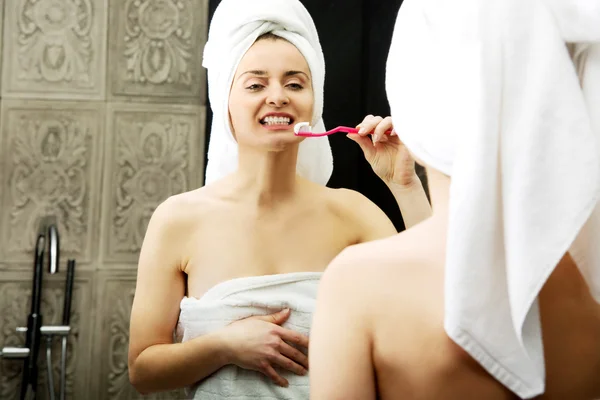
pixel 158 41
pixel 118 341
pixel 48 159
pixel 57 45
pixel 159 46
pixel 1 38
pixel 151 163
pixel 14 302
pixel 54 40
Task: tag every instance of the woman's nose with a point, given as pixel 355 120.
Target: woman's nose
pixel 277 97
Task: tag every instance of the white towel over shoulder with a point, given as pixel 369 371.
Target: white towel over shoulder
pixel 489 93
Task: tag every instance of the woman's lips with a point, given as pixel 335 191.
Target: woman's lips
pixel 282 127
pixel 277 121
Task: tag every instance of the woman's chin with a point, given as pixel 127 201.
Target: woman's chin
pixel 283 142
pixel 279 141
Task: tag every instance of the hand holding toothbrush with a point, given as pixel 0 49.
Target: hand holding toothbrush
pixel 388 156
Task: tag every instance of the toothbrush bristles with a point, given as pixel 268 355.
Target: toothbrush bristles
pixel 302 127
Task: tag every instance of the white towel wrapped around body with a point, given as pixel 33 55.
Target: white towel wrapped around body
pixel 487 92
pixel 234 28
pixel 240 298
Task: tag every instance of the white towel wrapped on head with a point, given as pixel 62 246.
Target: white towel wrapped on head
pixel 234 28
pixel 486 92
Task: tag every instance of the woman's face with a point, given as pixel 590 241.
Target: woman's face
pixel 271 92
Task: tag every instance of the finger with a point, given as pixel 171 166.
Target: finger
pixel 368 125
pixel 288 364
pixel 275 377
pixel 294 354
pixel 366 119
pixel 381 128
pixel 365 144
pixel 293 337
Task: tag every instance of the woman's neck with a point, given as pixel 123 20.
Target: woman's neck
pixel 439 191
pixel 267 177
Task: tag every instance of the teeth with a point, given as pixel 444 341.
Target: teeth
pixel 276 121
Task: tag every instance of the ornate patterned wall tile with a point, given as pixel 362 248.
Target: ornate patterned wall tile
pixel 51 152
pixel 3 168
pixel 112 341
pixel 57 49
pixel 2 58
pixel 15 292
pixel 152 152
pixel 155 50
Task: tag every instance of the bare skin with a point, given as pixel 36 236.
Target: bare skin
pixel 192 237
pixel 264 219
pixel 274 239
pixel 396 346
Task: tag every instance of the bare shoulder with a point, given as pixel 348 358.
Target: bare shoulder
pixel 359 269
pixel 366 260
pixel 181 212
pixel 360 213
pixel 396 263
pixel 377 256
pixel 342 200
pixel 172 212
pixel 347 199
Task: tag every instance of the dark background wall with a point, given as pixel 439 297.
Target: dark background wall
pixel 355 36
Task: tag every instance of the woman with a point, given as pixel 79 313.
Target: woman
pixel 497 294
pixel 245 252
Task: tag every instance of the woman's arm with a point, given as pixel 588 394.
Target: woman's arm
pixel 171 366
pixel 155 362
pixel 393 163
pixel 412 200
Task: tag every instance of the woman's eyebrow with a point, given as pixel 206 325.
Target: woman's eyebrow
pixel 264 73
pixel 255 72
pixel 292 73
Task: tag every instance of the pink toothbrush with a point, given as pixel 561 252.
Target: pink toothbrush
pixel 304 129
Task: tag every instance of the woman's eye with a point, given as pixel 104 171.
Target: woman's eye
pixel 255 87
pixel 295 86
